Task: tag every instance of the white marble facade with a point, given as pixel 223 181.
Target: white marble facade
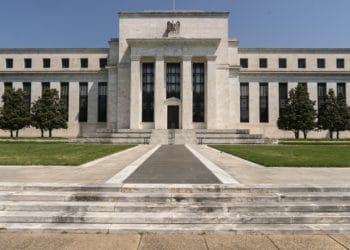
pixel 184 39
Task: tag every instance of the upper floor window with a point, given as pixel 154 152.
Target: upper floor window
pixel 103 63
pixel 46 63
pixel 341 89
pixel 173 80
pixel 8 85
pixel 244 63
pixel 340 63
pixel 301 63
pixel 65 63
pixel 282 63
pixel 9 63
pixel 84 63
pixel 27 63
pixel 263 62
pixel 321 63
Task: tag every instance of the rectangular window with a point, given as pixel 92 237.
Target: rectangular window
pixel 84 63
pixel 321 94
pixel 83 102
pixel 198 92
pixel 8 85
pixel 65 63
pixel 173 78
pixel 321 63
pixel 103 63
pixel 263 63
pixel 340 63
pixel 65 96
pixel 283 96
pixel 264 102
pixel 301 63
pixel 27 63
pixel 244 63
pixel 148 92
pixel 282 63
pixel 46 63
pixel 44 86
pixel 244 101
pixel 27 89
pixel 102 102
pixel 9 63
pixel 341 89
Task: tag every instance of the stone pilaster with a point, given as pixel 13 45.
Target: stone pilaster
pixel 135 93
pixel 187 92
pixel 159 94
pixel 210 103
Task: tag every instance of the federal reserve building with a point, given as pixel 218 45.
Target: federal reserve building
pixel 174 70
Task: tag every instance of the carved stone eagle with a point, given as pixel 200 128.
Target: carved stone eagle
pixel 173 28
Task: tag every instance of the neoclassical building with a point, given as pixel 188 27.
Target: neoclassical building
pixel 177 70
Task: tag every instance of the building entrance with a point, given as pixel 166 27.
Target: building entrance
pixel 173 117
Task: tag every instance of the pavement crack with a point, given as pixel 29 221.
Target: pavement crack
pixel 273 243
pixel 338 242
pixel 140 240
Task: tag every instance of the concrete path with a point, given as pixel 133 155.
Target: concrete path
pixel 38 241
pixel 173 164
pixel 250 173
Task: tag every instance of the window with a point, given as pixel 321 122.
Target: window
pixel 27 89
pixel 263 62
pixel 65 63
pixel 283 96
pixel 9 63
pixel 103 63
pixel 84 63
pixel 301 63
pixel 44 86
pixel 147 92
pixel 102 102
pixel 321 63
pixel 198 92
pixel 340 63
pixel 83 102
pixel 65 96
pixel 244 101
pixel 46 63
pixel 264 102
pixel 282 63
pixel 8 85
pixel 244 63
pixel 173 77
pixel 28 63
pixel 321 94
pixel 341 89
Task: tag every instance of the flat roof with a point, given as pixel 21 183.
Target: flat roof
pixel 294 50
pixel 52 50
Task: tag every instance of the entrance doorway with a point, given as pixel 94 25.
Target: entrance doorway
pixel 173 117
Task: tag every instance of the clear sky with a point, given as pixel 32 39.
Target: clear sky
pixel 256 23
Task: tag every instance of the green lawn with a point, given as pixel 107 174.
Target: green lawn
pixel 53 153
pixel 292 155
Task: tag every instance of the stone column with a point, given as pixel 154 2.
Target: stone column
pixel 187 93
pixel 210 102
pixel 135 93
pixel 112 100
pixel 159 94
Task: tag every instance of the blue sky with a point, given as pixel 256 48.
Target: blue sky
pixel 256 23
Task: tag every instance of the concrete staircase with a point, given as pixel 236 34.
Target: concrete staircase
pixel 142 207
pixel 116 136
pixel 230 136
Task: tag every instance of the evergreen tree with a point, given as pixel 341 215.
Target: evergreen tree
pixel 14 114
pixel 299 113
pixel 49 113
pixel 328 116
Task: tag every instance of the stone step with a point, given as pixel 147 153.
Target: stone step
pixel 198 228
pixel 207 207
pixel 228 136
pixel 127 131
pixel 110 140
pixel 174 218
pixel 222 131
pixel 120 135
pixel 235 141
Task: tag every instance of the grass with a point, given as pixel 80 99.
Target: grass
pixel 292 155
pixel 53 153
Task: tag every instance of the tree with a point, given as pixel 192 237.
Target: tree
pixel 14 114
pixel 299 113
pixel 49 112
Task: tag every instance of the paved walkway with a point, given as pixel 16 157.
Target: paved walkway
pixel 173 164
pixel 220 241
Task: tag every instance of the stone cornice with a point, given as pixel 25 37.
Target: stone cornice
pixel 54 50
pixel 223 14
pixel 294 50
pixel 53 72
pixel 136 42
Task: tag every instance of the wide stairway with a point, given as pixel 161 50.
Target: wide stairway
pixel 230 136
pixel 136 207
